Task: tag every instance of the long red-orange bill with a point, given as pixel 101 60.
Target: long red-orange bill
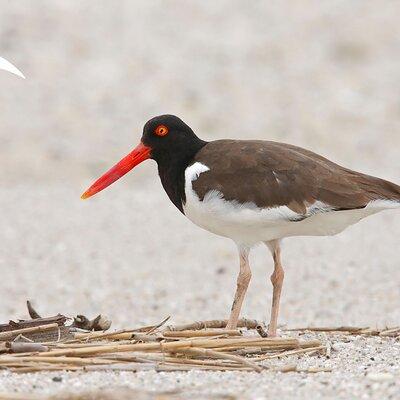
pixel 135 157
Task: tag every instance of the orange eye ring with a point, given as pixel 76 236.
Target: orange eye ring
pixel 161 130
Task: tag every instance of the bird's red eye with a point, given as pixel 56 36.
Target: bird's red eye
pixel 161 130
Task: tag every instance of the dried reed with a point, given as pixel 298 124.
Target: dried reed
pixel 204 345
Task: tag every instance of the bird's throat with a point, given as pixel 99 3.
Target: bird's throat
pixel 171 170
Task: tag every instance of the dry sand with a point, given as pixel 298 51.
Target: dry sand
pixel 324 75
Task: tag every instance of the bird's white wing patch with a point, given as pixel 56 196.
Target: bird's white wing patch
pixel 193 172
pixel 7 66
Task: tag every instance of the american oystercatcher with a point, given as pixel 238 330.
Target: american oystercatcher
pixel 253 191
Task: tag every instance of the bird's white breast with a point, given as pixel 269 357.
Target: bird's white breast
pixel 249 224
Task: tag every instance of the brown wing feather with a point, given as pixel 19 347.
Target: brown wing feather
pixel 272 174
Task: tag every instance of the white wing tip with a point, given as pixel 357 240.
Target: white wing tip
pixel 7 66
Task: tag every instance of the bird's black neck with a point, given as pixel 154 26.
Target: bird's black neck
pixel 171 169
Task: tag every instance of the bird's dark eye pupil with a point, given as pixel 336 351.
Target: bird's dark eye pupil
pixel 161 130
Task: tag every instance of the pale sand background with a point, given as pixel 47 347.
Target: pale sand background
pixel 321 74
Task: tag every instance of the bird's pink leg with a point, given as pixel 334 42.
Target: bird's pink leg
pixel 243 281
pixel 277 282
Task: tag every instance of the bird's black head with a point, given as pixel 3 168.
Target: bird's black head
pixel 167 140
pixel 170 139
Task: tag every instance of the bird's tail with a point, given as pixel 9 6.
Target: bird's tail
pixel 378 192
pixel 383 194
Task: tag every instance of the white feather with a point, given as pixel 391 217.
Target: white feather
pixel 7 66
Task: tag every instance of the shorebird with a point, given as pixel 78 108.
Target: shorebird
pixel 254 191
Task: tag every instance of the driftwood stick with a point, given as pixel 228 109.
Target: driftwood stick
pixel 217 323
pixel 118 335
pixel 121 334
pixel 197 361
pixel 251 350
pixel 143 337
pixel 367 331
pixel 81 345
pixel 219 355
pixel 269 343
pixel 12 326
pixel 132 366
pixel 22 338
pixel 289 353
pixel 134 357
pixel 390 332
pixel 170 359
pixel 171 346
pixel 328 349
pixel 20 347
pixel 314 370
pixel 55 360
pixel 287 368
pixel 166 367
pixel 11 334
pixel 155 327
pixel 198 333
pixel 309 343
pixel 273 346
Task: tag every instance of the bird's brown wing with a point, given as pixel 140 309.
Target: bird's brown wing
pixel 271 174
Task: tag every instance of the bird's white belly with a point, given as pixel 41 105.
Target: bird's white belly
pixel 249 224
